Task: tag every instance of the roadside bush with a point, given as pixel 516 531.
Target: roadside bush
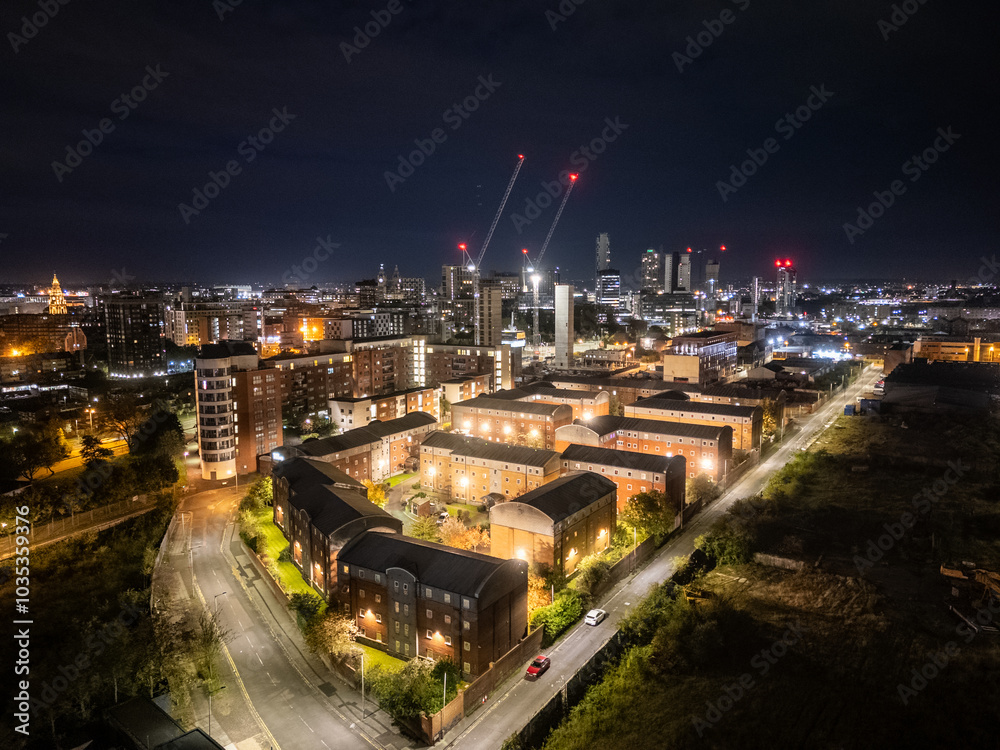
pixel 285 555
pixel 559 616
pixel 591 571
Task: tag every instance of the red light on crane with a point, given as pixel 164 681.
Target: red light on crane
pixel 788 262
pixel 777 264
pixel 462 247
pixel 689 249
pixel 722 248
pixel 525 251
pixel 520 156
pixel 573 177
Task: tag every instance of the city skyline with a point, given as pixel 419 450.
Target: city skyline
pixel 761 129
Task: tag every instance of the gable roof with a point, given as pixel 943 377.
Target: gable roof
pixel 502 404
pixel 330 508
pixel 430 563
pixel 371 433
pixel 568 494
pixel 606 424
pixel 474 447
pixel 623 459
pixel 302 472
pixel 694 407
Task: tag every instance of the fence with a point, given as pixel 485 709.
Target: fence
pixel 78 523
pixel 471 698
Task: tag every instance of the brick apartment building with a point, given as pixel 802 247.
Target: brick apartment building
pixel 470 469
pixel 416 598
pixel 624 391
pixel 319 509
pixel 704 357
pixel 585 404
pixel 374 452
pixel 350 412
pixel 631 472
pixel 747 421
pixel 557 524
pixel 707 449
pixel 504 420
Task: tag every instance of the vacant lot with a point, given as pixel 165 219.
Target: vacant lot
pixel 824 657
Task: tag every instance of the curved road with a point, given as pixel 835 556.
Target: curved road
pixel 277 693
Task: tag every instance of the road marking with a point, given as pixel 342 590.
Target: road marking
pixel 307 726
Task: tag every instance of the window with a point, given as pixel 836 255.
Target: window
pixel 361 593
pixel 361 574
pixel 378 578
pixel 378 598
pixel 428 593
pixel 397 646
pixel 361 612
pixel 395 585
pixel 347 568
pixel 378 637
pixel 430 614
pixel 396 607
pixel 406 649
pixel 406 588
pixel 447 640
pixel 406 629
pixel 447 619
pixel 361 632
pixel 430 634
pixel 395 626
pixel 447 598
pixel 466 645
pixel 466 667
pixel 465 603
pixel 378 618
pixel 347 608
pixel 406 610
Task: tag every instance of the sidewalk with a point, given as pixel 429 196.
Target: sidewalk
pixel 343 699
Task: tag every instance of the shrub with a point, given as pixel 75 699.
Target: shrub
pixel 285 555
pixel 592 570
pixel 557 617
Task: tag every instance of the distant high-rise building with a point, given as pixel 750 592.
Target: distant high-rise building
pixel 564 325
pixel 682 270
pixel 57 300
pixel 785 291
pixel 652 272
pixel 490 313
pixel 603 253
pixel 712 278
pixel 136 337
pixel 609 288
pixel 456 281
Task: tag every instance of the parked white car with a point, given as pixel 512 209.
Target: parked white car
pixel 595 617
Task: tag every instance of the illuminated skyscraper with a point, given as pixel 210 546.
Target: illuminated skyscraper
pixel 652 272
pixel 785 291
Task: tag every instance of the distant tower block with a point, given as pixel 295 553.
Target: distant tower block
pixel 564 325
pixel 57 300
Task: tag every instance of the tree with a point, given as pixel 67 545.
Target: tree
pixel 209 638
pixel 538 592
pixel 259 496
pixel 377 492
pixel 615 406
pixel 702 488
pixel 425 528
pixel 454 533
pixel 770 423
pixel 651 513
pixel 591 571
pixel 92 451
pixel 331 633
pixel 160 434
pixel 33 449
pixel 307 606
pixel 124 416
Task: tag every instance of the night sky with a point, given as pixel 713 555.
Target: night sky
pixel 551 91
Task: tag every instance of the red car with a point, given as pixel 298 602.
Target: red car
pixel 539 665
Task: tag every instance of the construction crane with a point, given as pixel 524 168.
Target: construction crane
pixel 532 268
pixel 474 266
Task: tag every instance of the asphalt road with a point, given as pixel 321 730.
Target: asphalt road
pixel 291 699
pixel 509 711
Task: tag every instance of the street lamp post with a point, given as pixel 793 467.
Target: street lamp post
pixel 210 692
pixel 216 600
pixel 362 685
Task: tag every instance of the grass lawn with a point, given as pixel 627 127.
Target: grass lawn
pixel 289 577
pixel 374 657
pixel 399 479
